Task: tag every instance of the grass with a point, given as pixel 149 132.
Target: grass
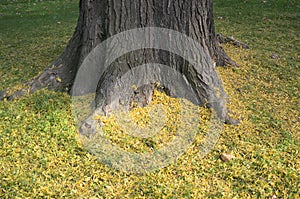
pixel 40 155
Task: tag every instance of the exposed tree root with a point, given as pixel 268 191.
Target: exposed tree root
pixel 222 39
pixel 48 79
pixel 223 59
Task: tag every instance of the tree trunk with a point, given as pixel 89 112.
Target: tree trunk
pixel 102 19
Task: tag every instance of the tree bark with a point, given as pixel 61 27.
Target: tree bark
pixel 101 19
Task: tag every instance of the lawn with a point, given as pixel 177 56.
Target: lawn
pixel 40 155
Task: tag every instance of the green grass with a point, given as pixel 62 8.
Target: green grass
pixel 41 157
pixel 33 34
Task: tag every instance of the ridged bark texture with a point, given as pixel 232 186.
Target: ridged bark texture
pixel 101 19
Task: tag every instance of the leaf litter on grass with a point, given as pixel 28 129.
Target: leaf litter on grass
pixel 40 155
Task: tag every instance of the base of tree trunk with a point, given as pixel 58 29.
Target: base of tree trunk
pixel 56 78
pixel 100 20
